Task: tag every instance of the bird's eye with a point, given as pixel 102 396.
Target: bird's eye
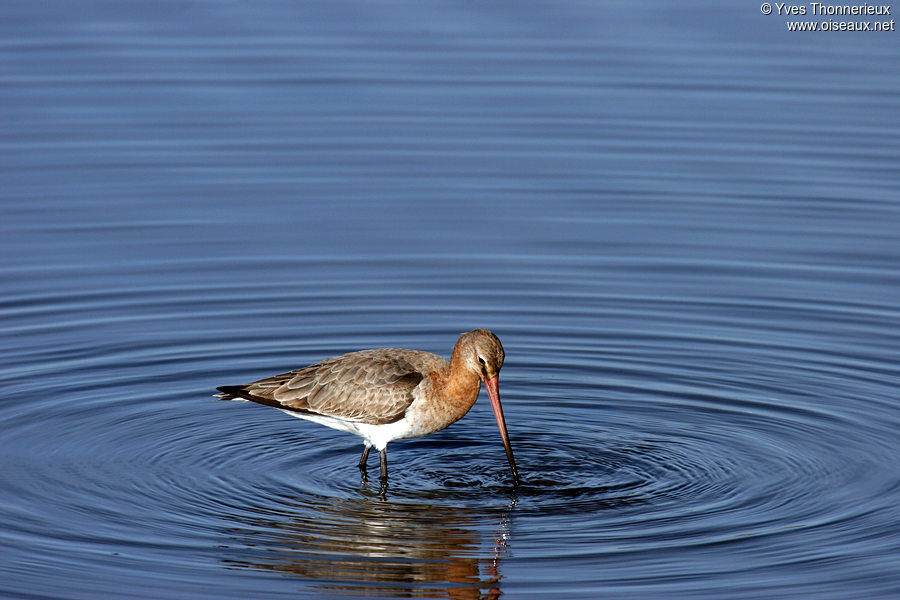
pixel 481 360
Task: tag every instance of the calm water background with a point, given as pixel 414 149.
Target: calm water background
pixel 682 221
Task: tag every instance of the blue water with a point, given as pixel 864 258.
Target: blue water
pixel 682 221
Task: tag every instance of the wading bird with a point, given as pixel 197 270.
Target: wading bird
pixel 389 393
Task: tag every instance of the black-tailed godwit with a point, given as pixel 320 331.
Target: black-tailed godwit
pixel 389 393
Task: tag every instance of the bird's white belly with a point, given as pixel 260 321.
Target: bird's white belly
pixel 375 435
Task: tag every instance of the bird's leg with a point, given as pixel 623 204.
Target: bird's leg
pixel 363 460
pixel 365 457
pixel 383 464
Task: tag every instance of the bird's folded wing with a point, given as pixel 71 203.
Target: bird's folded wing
pixel 371 386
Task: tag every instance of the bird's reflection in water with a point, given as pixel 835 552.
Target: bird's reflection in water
pixel 369 546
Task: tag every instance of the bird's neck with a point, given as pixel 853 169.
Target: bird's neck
pixel 454 390
pixel 460 384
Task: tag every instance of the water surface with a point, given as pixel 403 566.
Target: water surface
pixel 682 224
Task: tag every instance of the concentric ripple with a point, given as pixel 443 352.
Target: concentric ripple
pixel 623 447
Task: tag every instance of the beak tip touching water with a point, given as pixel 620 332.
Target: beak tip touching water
pixel 492 386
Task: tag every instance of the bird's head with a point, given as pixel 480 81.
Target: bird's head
pixel 482 353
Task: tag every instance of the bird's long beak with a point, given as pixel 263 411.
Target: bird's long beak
pixel 492 386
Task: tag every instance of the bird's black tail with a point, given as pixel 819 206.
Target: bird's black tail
pixel 232 392
pixel 239 392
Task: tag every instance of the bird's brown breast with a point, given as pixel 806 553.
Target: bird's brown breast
pixel 446 397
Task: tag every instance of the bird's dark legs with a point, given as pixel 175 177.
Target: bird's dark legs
pixel 365 457
pixel 362 468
